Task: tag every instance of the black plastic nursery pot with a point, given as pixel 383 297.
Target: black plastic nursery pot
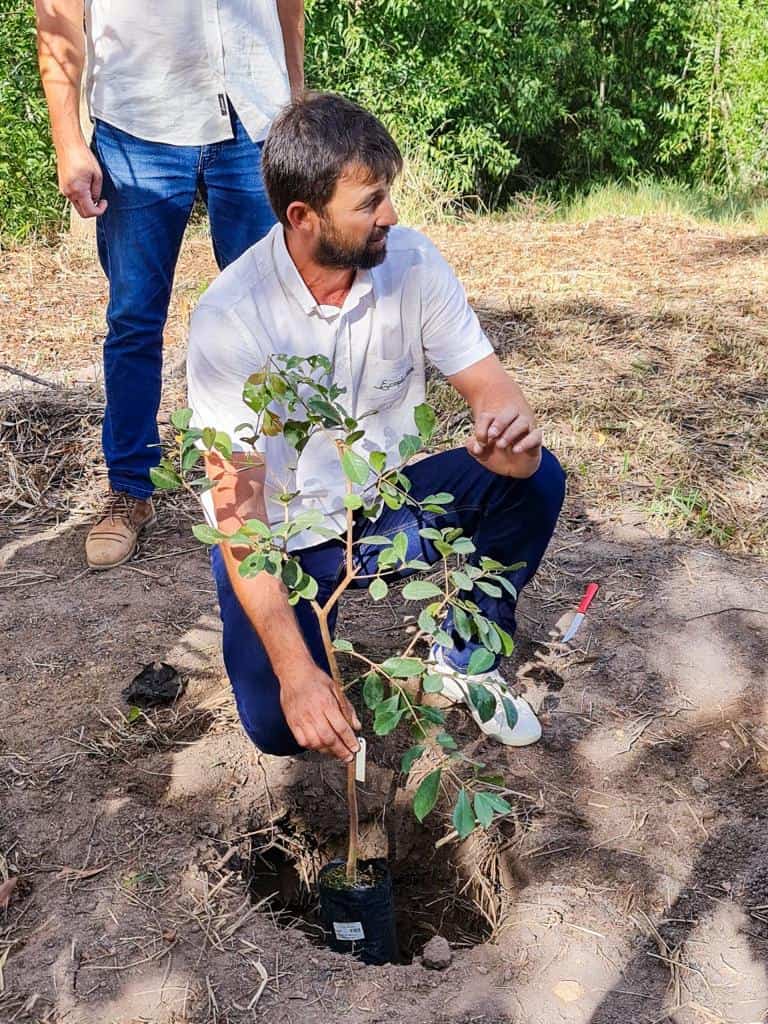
pixel 359 919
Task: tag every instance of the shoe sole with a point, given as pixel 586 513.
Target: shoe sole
pixel 129 556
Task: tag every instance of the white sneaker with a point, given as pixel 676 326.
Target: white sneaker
pixel 527 728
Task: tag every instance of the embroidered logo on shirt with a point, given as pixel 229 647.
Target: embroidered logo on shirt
pixel 389 384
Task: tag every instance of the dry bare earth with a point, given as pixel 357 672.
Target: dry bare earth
pixel 631 883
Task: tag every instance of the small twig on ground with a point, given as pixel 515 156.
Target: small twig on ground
pixel 730 608
pixel 28 376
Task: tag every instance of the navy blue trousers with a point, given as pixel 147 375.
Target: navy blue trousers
pixel 509 520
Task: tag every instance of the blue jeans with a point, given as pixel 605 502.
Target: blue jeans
pixel 509 520
pixel 150 188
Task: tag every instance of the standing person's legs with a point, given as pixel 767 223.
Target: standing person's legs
pixel 255 685
pixel 233 189
pixel 149 188
pixel 508 520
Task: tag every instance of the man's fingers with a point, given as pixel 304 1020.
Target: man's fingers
pixel 351 716
pixel 520 426
pixel 82 200
pixel 482 423
pixel 345 739
pixel 533 440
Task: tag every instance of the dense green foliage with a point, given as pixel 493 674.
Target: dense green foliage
pixel 497 95
pixel 29 201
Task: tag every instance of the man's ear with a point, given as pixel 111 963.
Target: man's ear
pixel 301 217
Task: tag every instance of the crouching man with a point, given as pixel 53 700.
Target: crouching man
pixel 337 277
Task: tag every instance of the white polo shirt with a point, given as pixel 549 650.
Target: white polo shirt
pixel 162 69
pixel 409 309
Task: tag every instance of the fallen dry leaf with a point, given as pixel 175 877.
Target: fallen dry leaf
pixel 6 888
pixel 568 991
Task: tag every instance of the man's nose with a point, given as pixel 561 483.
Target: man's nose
pixel 387 217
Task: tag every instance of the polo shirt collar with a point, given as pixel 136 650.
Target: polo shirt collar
pixel 295 285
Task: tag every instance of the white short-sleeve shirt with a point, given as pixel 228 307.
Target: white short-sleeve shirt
pixel 162 69
pixel 409 309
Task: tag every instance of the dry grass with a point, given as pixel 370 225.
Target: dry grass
pixel 642 343
pixel 644 347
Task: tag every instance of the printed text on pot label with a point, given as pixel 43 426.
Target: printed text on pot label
pixel 348 931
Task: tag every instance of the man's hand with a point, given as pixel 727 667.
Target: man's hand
pixel 314 715
pixel 80 180
pixel 507 439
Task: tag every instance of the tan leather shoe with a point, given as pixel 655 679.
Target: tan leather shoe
pixel 113 539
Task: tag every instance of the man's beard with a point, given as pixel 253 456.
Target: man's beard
pixel 333 250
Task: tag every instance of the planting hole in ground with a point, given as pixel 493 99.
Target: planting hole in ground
pixel 433 893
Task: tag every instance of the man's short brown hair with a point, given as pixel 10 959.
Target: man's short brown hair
pixel 310 143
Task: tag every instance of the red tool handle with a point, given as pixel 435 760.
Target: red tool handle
pixel 589 593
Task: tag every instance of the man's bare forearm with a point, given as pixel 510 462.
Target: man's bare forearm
pixel 291 15
pixel 61 56
pixel 238 496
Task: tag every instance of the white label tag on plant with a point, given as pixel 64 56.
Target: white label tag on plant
pixel 348 931
pixel 360 760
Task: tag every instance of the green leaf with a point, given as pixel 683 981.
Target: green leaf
pixel 356 435
pixel 461 580
pixel 411 755
pixel 462 623
pixel 400 545
pixel 426 795
pixel 134 713
pixel 481 661
pixel 436 716
pixel 342 645
pixel 355 467
pixel 292 574
pixel 488 588
pixel 483 700
pixel 207 534
pixel 325 410
pixel 463 546
pixel 433 683
pixel 222 443
pixel 430 533
pixel 257 527
pixel 376 539
pixel 378 461
pixel 378 589
pixel 308 588
pixel 425 419
pixel 483 809
pixel 446 741
pixel 442 498
pixel 252 564
pixel 373 690
pixel 427 621
pixel 190 458
pixel 385 723
pixel 164 479
pixel 402 668
pixel 507 643
pixel 409 445
pixel 418 590
pixel 510 711
pixel 271 424
pixel 181 418
pixel 463 816
pixel 353 501
pixel 209 436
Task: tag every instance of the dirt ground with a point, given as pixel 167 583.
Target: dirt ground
pixel 630 884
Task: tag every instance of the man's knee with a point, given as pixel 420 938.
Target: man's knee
pixel 270 735
pixel 549 482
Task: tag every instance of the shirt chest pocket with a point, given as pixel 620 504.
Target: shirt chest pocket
pixel 386 381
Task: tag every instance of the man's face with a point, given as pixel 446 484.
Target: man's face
pixel 354 225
